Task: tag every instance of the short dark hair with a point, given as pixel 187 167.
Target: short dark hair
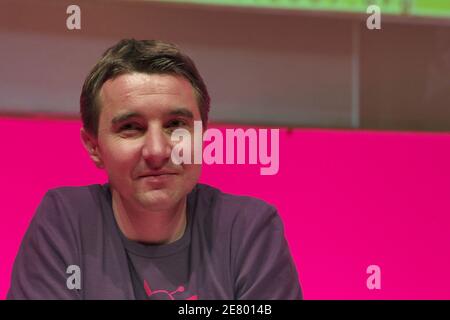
pixel 145 56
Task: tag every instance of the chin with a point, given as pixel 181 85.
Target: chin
pixel 158 199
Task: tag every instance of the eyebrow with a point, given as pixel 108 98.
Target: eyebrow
pixel 183 112
pixel 125 116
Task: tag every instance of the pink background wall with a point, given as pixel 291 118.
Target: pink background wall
pixel 348 199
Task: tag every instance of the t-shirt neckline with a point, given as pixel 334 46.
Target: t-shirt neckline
pixel 156 250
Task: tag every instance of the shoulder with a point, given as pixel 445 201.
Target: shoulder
pixel 74 194
pixel 232 208
pixel 69 202
pixel 63 214
pixel 51 243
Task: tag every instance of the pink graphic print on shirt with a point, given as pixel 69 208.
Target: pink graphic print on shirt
pixel 166 293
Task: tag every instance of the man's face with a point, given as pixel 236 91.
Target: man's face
pixel 138 114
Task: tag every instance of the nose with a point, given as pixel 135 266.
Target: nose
pixel 157 147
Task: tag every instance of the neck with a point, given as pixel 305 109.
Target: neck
pixel 146 226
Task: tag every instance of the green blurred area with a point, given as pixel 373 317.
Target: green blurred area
pixel 426 8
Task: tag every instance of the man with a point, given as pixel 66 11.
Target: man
pixel 152 231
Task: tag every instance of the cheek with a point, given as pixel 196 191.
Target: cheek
pixel 120 157
pixel 192 173
pixel 186 141
pixel 190 178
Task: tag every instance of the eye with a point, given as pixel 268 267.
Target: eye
pixel 176 123
pixel 130 127
pixel 131 130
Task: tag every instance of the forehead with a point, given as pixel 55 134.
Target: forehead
pixel 147 94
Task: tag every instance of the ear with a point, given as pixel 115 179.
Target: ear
pixel 90 143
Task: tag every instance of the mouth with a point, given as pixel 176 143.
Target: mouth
pixel 157 177
pixel 157 174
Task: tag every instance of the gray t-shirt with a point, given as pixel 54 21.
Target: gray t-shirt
pixel 233 248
